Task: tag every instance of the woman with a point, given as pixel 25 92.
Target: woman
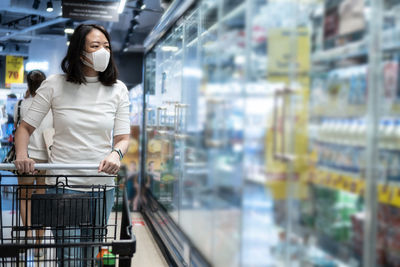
pixel 36 150
pixel 91 112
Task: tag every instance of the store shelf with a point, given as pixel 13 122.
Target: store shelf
pixel 388 192
pixel 354 49
pixel 240 8
pixel 335 180
pixel 390 41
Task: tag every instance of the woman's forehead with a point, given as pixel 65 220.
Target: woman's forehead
pixel 96 36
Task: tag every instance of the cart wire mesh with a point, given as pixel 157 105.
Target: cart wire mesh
pixel 59 224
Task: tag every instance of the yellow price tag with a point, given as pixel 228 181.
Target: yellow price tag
pixel 346 183
pixel 337 183
pixel 395 199
pixel 384 194
pixel 329 179
pixel 14 70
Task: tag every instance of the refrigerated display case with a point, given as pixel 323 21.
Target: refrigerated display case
pixel 272 132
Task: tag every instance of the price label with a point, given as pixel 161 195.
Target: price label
pixel 14 70
pixel 395 199
pixel 336 179
pixel 346 183
pixel 384 194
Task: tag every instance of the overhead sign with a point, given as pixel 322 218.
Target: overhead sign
pixel 14 70
pixel 90 10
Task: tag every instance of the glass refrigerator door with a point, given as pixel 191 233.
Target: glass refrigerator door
pixel 257 120
pixel 383 176
pixel 163 95
pixel 222 88
pixel 308 94
pixel 212 173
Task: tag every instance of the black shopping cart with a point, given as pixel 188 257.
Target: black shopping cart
pixel 59 224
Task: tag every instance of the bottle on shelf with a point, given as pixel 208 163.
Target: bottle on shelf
pixel 352 131
pixel 360 133
pixel 396 135
pixel 381 130
pixel 389 134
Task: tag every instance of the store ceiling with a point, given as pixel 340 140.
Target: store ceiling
pixel 20 23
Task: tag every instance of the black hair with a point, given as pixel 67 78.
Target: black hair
pixel 72 64
pixel 34 79
pixel 11 95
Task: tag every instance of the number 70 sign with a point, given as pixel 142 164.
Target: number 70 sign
pixel 14 70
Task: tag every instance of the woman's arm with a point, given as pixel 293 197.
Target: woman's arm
pixel 112 163
pixel 22 162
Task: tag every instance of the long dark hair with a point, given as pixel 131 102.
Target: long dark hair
pixel 72 64
pixel 34 79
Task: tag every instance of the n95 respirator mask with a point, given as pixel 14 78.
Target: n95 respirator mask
pixel 100 59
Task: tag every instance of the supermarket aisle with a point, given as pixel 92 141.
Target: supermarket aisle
pixel 147 251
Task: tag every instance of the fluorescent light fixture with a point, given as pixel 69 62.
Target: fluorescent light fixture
pixel 121 6
pixel 69 27
pixel 167 48
pixel 69 30
pixel 37 65
pixel 49 6
pixel 192 72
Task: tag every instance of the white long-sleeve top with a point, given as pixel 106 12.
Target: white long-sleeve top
pixel 37 147
pixel 86 117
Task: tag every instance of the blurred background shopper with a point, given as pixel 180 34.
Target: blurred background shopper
pixel 36 150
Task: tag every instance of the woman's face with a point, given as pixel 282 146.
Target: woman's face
pixel 95 40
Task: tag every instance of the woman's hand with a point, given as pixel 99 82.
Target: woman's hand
pixel 110 164
pixel 24 165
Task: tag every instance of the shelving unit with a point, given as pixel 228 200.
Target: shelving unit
pixel 390 38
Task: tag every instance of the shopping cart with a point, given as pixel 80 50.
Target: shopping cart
pixel 68 227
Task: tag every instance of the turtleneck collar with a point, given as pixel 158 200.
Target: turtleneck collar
pixel 94 79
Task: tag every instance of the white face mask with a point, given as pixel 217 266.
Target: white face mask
pixel 100 59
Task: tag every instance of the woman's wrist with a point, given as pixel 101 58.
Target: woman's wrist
pixel 118 152
pixel 21 156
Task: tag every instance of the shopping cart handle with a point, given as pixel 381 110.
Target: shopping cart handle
pixel 53 166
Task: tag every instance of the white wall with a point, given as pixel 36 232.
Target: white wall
pixel 51 50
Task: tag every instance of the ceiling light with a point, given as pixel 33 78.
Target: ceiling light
pixel 121 6
pixel 136 13
pixel 140 4
pixel 69 31
pixel 49 6
pixel 134 22
pixel 69 27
